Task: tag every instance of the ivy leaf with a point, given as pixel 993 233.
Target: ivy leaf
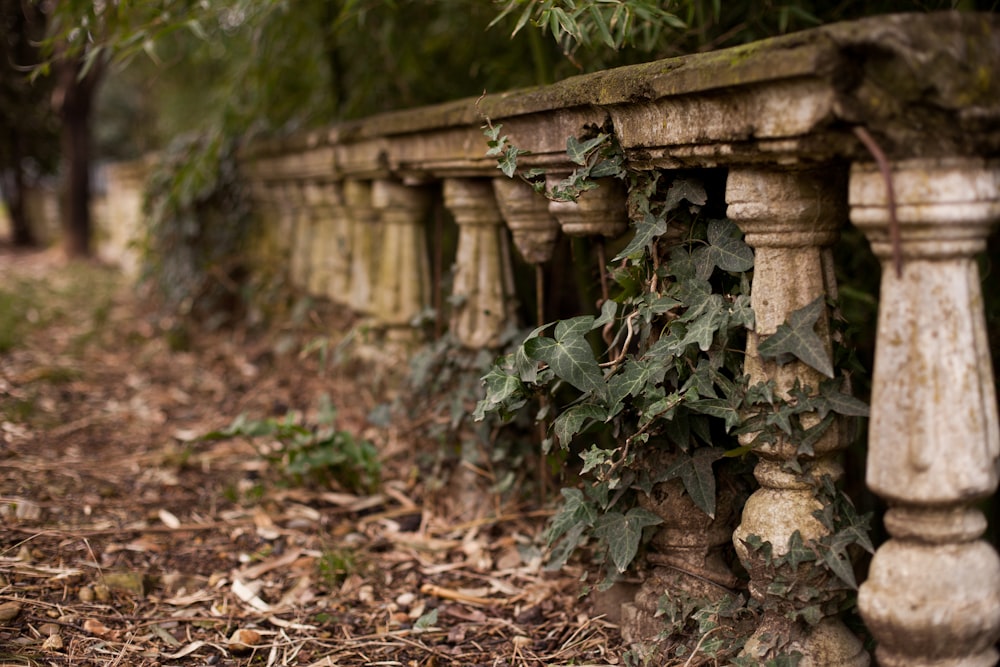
pixel 811 436
pixel 702 330
pixel 663 304
pixel 697 294
pixel 841 403
pixel 660 409
pixel 575 511
pixel 629 382
pixel 572 421
pixel 721 408
pixel 569 355
pixel 697 476
pixel 500 386
pixel 685 188
pixel 798 551
pixel 577 151
pixel 608 168
pixel 646 232
pixel 681 265
pixel 525 367
pixel 608 311
pixel 797 337
pixel 595 457
pixel 623 533
pixel 726 240
pixel 740 312
pixel 840 565
pixel 701 380
pixel 508 162
pixel 761 393
pixel 725 250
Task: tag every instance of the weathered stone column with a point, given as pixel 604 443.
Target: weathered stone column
pixel 317 211
pixel 402 288
pixel 685 552
pixel 598 212
pixel 285 205
pixel 483 291
pixel 300 231
pixel 526 212
pixel 329 250
pixel 932 597
pixel 363 226
pixel 789 218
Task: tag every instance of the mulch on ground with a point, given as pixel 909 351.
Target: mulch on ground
pixel 127 539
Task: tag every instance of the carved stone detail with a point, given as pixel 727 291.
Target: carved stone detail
pixel 598 212
pixel 933 591
pixel 484 302
pixel 402 288
pixel 526 212
pixel 789 218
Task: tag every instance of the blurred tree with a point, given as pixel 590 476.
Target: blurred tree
pixel 27 143
pixel 588 30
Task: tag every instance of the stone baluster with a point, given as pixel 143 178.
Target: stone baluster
pixel 340 248
pixel 686 554
pixel 363 226
pixel 526 212
pixel 402 287
pixel 317 211
pixel 932 597
pixel 329 252
pixel 300 231
pixel 282 228
pixel 598 212
pixel 790 218
pixel 483 291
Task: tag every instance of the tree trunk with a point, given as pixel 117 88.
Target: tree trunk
pixel 12 189
pixel 74 98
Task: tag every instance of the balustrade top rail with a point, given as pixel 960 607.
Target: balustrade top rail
pixel 925 85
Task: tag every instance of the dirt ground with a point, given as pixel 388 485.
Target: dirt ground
pixel 129 540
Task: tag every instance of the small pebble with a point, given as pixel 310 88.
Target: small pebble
pixel 102 592
pixel 9 611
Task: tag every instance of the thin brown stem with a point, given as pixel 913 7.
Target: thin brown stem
pixel 883 165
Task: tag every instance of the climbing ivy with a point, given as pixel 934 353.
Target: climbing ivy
pixel 659 370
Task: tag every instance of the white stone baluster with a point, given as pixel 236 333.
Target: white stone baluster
pixel 932 597
pixel 363 226
pixel 402 289
pixel 789 218
pixel 526 212
pixel 483 291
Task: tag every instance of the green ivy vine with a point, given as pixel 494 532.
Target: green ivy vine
pixel 660 370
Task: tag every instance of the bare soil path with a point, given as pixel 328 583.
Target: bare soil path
pixel 128 540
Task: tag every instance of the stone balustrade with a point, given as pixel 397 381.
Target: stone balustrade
pixel 890 123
